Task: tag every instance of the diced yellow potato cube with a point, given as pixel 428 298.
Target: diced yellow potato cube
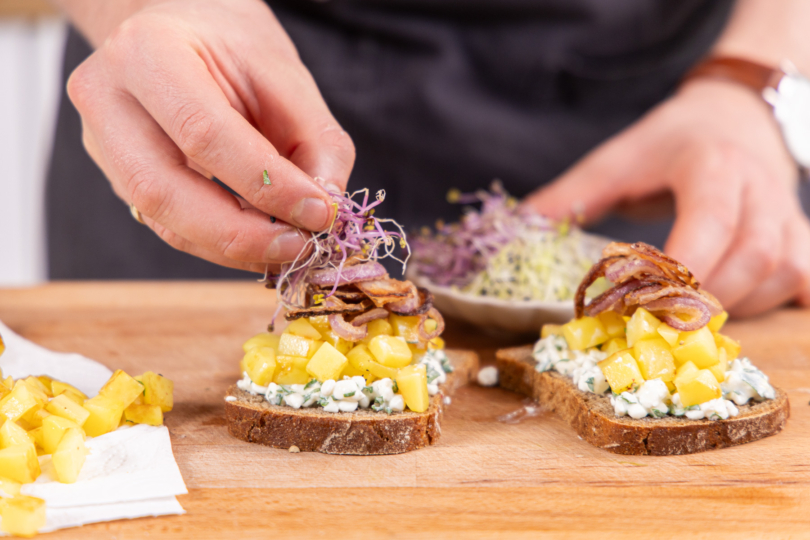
pixel 720 368
pixel 144 414
pixel 260 365
pixel 436 343
pixel 157 390
pixel 36 416
pixel 69 456
pixel 290 374
pixel 584 333
pixel 717 322
pixel 9 487
pixel 36 435
pixel 265 339
pixel 47 382
pixel 671 387
pixel 59 387
pixel 351 371
pixel 4 391
pixel 390 351
pixel 699 388
pixel 614 324
pixel 41 392
pixel 22 515
pixel 405 327
pixel 13 435
pixel 669 334
pixel 320 323
pixel 63 406
pixel 105 415
pixel 614 345
pixel 642 325
pixel 431 325
pixel 550 330
pixel 292 345
pixel 654 359
pixel 20 463
pixel 8 382
pixel 18 402
pixel 121 387
pixel 77 399
pixel 412 383
pixel 303 328
pixel 686 371
pixel 621 371
pixel 731 346
pixel 698 347
pixel 380 327
pixel 327 363
pixel 342 345
pixel 360 357
pixel 53 429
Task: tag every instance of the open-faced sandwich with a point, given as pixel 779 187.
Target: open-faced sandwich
pixel 643 368
pixel 361 367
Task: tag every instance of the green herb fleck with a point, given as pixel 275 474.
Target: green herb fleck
pixel 395 388
pixel 266 178
pixel 589 382
pixel 349 394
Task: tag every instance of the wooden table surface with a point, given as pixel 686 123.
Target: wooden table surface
pixel 485 479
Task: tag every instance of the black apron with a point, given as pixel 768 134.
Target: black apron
pixel 436 94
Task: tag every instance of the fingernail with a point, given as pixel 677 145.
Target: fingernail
pixel 312 214
pixel 285 247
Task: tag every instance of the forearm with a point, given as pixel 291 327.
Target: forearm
pixel 96 19
pixel 768 31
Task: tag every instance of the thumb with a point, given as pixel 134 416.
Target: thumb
pixel 602 179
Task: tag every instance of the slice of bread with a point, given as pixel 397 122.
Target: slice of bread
pixel 364 432
pixel 592 415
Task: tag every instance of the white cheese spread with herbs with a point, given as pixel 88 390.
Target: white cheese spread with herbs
pixel 350 393
pixel 743 382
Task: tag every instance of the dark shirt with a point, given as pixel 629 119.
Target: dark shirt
pixel 436 94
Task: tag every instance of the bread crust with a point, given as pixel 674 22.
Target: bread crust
pixel 363 432
pixel 593 418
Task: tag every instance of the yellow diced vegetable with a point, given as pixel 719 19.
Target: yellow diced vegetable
pixel 69 456
pixel 63 406
pixel 698 347
pixel 731 346
pixel 303 328
pixel 412 383
pixel 2 348
pixel 41 392
pixel 550 330
pixel 584 333
pixel 390 351
pixel 291 345
pixel 158 390
pixel 36 416
pixel 18 402
pixel 13 435
pixel 8 382
pixel 144 414
pixel 380 327
pixel 20 463
pixel 53 429
pixel 699 388
pixel 260 365
pixel 9 487
pixel 327 363
pixel 121 387
pixel 360 357
pixel 436 343
pixel 613 323
pixel 669 334
pixel 22 515
pixel 320 323
pixel 342 345
pixel 291 370
pixel 351 371
pixel 59 387
pixel 720 368
pixel 47 382
pixel 686 371
pixel 654 359
pixel 614 345
pixel 642 325
pixel 621 371
pixel 105 415
pixel 265 339
pixel 671 387
pixel 405 327
pixel 717 322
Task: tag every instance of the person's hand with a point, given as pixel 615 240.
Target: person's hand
pixel 715 147
pixel 182 90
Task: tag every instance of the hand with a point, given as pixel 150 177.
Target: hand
pixel 216 87
pixel 715 147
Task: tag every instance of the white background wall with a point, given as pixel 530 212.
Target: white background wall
pixel 30 80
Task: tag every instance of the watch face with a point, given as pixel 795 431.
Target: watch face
pixel 791 106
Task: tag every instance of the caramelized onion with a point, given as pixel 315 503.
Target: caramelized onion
pixel 368 316
pixel 673 310
pixel 366 271
pixel 345 329
pixel 434 314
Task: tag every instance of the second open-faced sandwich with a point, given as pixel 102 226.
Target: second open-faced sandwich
pixel 361 367
pixel 643 368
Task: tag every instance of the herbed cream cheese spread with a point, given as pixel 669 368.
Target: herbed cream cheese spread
pixel 743 382
pixel 350 393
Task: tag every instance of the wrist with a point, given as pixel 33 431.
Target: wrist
pixel 97 19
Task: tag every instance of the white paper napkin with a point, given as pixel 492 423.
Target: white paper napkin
pixel 129 473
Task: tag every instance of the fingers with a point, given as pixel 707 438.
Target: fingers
pixel 707 187
pixel 178 91
pixel 145 168
pixel 791 277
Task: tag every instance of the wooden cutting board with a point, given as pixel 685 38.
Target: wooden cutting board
pixel 486 478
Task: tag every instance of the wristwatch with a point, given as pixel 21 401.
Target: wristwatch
pixel 784 88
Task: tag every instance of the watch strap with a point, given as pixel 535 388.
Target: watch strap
pixel 752 74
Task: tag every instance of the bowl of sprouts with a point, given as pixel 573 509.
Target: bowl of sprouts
pixel 502 267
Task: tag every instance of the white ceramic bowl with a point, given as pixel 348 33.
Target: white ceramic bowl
pixel 517 317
